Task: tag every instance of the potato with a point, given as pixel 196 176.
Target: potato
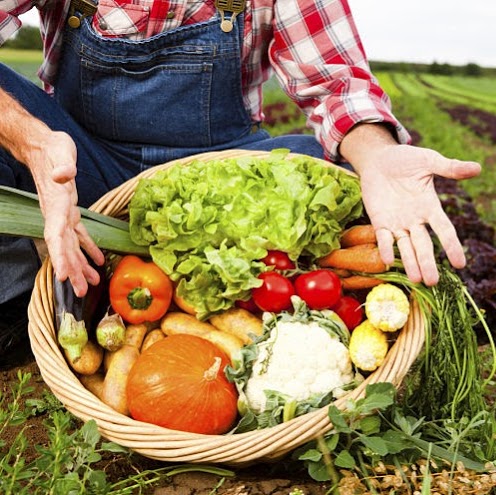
pixel 238 322
pixel 94 383
pixel 151 337
pixel 177 322
pixel 114 384
pixel 229 343
pixel 90 360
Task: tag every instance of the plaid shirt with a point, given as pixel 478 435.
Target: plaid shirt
pixel 312 46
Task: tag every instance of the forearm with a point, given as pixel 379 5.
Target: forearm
pixel 49 155
pixel 21 134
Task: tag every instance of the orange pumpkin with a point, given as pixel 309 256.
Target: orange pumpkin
pixel 179 383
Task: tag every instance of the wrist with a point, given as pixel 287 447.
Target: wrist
pixel 33 144
pixel 363 141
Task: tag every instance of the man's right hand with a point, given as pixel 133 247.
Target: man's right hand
pixel 54 171
pixel 51 158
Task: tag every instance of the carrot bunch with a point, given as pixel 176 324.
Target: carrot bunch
pixel 358 253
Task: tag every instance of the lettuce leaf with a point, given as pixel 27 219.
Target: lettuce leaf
pixel 208 223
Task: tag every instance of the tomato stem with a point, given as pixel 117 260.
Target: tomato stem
pixel 140 298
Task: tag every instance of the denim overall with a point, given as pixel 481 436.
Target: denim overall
pixel 130 105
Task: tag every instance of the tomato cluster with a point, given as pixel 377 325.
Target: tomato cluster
pixel 320 289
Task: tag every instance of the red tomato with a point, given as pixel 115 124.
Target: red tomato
pixel 279 260
pixel 248 305
pixel 350 311
pixel 320 289
pixel 275 293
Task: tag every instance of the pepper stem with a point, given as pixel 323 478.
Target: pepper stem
pixel 140 298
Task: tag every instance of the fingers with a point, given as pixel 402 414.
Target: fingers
pixel 421 245
pixel 455 169
pixel 446 233
pixel 416 252
pixel 76 268
pixel 89 246
pixel 385 241
pixel 66 239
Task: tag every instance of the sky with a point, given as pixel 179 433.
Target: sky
pixel 445 31
pixel 456 32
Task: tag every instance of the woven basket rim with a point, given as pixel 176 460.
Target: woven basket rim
pixel 176 446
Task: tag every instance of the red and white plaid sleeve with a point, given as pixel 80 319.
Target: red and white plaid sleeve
pixel 319 59
pixel 9 12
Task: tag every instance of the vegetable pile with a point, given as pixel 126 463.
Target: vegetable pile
pixel 263 298
pixel 271 291
pixel 156 363
pixel 208 335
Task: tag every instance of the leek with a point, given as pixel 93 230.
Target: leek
pixel 20 215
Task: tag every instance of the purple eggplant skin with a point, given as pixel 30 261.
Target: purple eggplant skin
pixel 66 301
pixel 91 308
pixel 96 302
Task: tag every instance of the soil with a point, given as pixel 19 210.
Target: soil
pixel 280 478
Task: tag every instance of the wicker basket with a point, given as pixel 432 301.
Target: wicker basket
pixel 176 446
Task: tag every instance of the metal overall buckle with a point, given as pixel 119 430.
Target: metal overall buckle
pixel 233 6
pixel 79 9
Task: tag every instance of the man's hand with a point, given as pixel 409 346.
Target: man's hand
pixel 51 158
pixel 399 196
pixel 54 171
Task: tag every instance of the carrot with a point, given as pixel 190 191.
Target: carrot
pixel 357 282
pixel 341 272
pixel 361 258
pixel 357 235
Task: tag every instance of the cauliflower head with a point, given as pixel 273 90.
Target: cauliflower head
pixel 298 360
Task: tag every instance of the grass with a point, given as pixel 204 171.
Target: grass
pixel 25 62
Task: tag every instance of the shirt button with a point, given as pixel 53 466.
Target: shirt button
pixel 103 25
pixel 170 14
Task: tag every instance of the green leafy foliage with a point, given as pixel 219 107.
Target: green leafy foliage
pixel 375 429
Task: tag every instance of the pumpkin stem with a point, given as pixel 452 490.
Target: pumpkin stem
pixel 213 371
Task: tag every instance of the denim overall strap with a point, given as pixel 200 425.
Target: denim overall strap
pixel 181 88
